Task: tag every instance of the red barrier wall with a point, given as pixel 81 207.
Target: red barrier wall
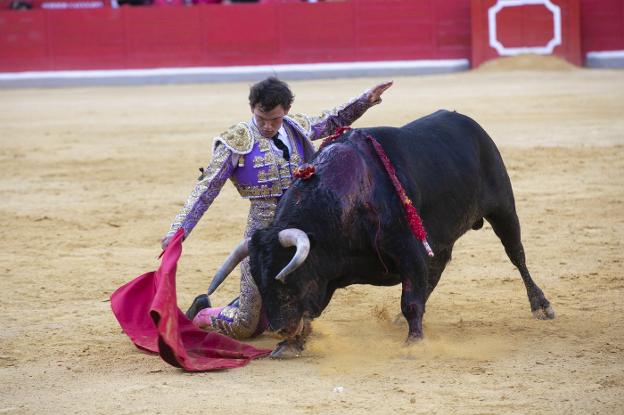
pixel 245 34
pixel 602 25
pixel 499 30
pixel 257 34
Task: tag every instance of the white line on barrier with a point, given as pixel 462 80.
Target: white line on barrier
pixel 311 68
pixel 606 54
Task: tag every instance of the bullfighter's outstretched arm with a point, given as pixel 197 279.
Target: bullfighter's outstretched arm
pixel 346 114
pixel 204 193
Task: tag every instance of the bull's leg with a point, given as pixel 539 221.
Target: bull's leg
pixel 434 272
pixel 413 273
pixel 435 269
pixel 507 228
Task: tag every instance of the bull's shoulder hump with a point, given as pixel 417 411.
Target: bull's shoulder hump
pixel 457 117
pixel 444 118
pixel 381 131
pixel 447 115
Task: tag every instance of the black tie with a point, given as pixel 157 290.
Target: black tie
pixel 280 145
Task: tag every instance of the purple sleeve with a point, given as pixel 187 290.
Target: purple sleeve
pixel 205 191
pixel 341 116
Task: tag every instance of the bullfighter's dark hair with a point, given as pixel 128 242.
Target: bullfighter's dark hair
pixel 270 93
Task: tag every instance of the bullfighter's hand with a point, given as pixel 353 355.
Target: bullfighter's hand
pixel 165 241
pixel 374 96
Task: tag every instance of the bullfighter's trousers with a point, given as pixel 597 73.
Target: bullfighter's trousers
pixel 243 317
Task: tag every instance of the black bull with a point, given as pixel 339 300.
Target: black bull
pixel 356 227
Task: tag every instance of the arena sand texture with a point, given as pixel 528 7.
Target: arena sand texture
pixel 92 177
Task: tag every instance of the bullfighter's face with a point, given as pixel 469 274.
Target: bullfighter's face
pixel 269 121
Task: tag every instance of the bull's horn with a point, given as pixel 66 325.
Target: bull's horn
pixel 298 238
pixel 235 258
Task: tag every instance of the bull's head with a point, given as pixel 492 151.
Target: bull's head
pixel 277 263
pixel 273 279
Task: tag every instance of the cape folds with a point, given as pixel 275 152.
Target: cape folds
pixel 146 308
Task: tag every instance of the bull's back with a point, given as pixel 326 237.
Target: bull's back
pixel 449 166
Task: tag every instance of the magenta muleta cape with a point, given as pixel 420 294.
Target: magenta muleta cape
pixel 147 311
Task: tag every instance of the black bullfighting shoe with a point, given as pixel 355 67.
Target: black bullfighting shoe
pixel 199 303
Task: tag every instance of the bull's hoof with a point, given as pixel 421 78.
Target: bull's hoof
pixel 287 350
pixel 413 339
pixel 545 313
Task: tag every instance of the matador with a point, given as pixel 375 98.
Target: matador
pixel 259 157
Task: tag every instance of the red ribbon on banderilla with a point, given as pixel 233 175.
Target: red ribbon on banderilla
pixel 328 140
pixel 412 216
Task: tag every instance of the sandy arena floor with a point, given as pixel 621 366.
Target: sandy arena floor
pixel 91 178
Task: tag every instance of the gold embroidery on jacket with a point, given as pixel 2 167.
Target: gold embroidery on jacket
pixel 237 138
pixel 302 120
pixel 274 173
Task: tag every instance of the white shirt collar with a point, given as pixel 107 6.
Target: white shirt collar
pixel 282 136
